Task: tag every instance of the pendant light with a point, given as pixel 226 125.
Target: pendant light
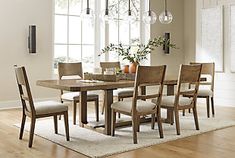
pixel 130 16
pixel 166 16
pixel 106 15
pixel 149 17
pixel 88 13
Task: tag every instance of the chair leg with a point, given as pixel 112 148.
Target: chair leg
pixel 138 124
pixel 74 112
pixel 189 110
pixel 177 121
pixel 119 99
pixel 97 110
pixel 103 107
pixel 22 126
pixel 31 134
pixel 113 123
pixel 212 106
pixel 195 117
pixel 208 106
pixel 66 125
pixel 134 128
pixel 59 117
pixel 153 121
pixel 55 124
pixel 183 113
pixel 159 122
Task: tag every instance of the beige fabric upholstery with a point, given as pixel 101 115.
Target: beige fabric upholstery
pixel 169 101
pixel 205 92
pixel 75 96
pixel 47 107
pixel 126 106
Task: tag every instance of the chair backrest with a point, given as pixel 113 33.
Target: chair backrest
pixel 105 65
pixel 208 69
pixel 149 76
pixel 188 74
pixel 24 90
pixel 70 69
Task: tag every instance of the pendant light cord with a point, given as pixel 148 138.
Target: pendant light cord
pixel 129 9
pixel 88 7
pixel 149 9
pixel 165 4
pixel 107 8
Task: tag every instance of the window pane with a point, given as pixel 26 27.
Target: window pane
pixel 124 33
pixel 60 29
pixel 113 33
pixel 135 33
pixel 60 54
pixel 61 6
pixel 113 56
pixel 88 58
pixel 87 33
pixel 74 53
pixel 74 30
pixel 75 7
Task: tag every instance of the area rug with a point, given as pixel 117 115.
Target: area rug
pixel 94 144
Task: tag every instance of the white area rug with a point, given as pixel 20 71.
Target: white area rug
pixel 94 144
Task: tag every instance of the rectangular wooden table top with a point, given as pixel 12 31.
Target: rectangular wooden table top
pixel 80 85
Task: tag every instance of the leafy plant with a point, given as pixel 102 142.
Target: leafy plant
pixel 141 52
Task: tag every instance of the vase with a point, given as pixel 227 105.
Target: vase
pixel 126 69
pixel 133 67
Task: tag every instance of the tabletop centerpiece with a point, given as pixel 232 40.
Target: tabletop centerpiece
pixel 140 54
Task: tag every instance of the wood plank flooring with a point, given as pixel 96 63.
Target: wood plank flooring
pixel 215 144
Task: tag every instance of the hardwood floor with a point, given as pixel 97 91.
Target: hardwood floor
pixel 215 144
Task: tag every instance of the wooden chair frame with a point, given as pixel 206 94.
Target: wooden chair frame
pixel 71 69
pixel 146 76
pixel 188 74
pixel 207 69
pixel 26 96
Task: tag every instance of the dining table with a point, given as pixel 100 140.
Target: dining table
pixel 83 86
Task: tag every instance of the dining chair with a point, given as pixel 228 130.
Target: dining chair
pixel 140 105
pixel 120 93
pixel 188 74
pixel 207 91
pixel 74 71
pixel 36 110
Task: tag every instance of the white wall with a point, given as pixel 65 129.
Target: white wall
pixel 225 81
pixel 189 30
pixel 15 17
pixel 176 28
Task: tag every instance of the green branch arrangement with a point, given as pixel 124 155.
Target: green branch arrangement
pixel 142 50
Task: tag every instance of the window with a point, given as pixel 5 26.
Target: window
pixel 76 40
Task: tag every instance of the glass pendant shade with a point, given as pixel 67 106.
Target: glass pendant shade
pixel 106 15
pixel 149 17
pixel 88 14
pixel 166 17
pixel 130 15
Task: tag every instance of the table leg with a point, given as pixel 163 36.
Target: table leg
pixel 108 101
pixel 170 114
pixel 83 108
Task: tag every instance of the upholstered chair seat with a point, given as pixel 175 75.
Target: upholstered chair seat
pixel 47 107
pixel 141 106
pixel 169 101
